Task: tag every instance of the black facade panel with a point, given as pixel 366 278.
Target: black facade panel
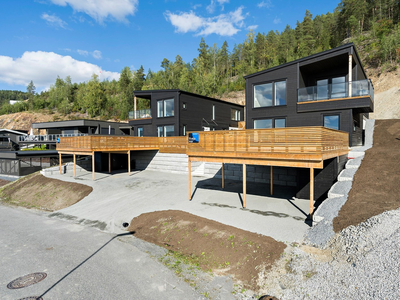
pixel 364 103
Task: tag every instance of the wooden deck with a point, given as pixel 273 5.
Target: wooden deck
pixel 304 147
pixel 292 147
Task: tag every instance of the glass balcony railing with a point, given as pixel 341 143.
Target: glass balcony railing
pixel 47 137
pixel 336 90
pixel 140 114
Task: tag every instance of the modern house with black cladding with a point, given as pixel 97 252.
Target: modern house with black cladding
pixel 175 112
pixel 329 89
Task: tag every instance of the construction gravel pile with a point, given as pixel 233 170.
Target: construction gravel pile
pixel 363 263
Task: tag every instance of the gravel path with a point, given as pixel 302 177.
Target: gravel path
pixel 363 264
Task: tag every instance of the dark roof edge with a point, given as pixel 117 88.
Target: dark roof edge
pixel 184 92
pixel 348 45
pixel 78 120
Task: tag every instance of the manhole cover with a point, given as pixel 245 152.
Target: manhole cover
pixel 26 280
pixel 31 298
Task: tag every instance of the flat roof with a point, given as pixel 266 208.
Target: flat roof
pixel 74 123
pixel 326 52
pixel 149 92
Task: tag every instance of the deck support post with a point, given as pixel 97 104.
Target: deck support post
pixel 129 162
pixel 223 175
pixel 93 165
pixel 190 178
pixel 271 180
pixel 109 162
pixel 60 161
pixel 244 185
pixel 311 192
pixel 74 165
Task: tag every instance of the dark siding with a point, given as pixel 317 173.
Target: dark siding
pixel 199 108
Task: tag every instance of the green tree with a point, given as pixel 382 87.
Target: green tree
pixel 30 89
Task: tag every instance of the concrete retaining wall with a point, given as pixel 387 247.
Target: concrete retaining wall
pixel 178 163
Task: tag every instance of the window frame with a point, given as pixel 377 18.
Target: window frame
pixel 331 115
pixel 140 130
pixel 273 93
pixel 161 104
pixel 273 119
pixel 164 130
pixel 236 115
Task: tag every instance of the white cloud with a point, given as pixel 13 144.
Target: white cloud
pixel 44 67
pixel 82 52
pixel 102 9
pixel 252 27
pixel 96 54
pixel 211 8
pixel 53 20
pixel 185 22
pixel 277 20
pixel 224 24
pixel 266 3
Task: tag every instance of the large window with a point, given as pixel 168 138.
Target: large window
pixel 270 123
pixel 167 130
pixel 165 108
pixel 332 121
pixel 235 114
pixel 140 131
pixel 270 94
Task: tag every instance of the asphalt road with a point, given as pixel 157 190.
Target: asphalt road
pixel 80 262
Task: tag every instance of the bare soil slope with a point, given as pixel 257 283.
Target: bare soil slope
pixel 376 185
pixel 37 191
pixel 212 246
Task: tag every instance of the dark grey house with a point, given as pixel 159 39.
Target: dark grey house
pixel 9 139
pixel 175 112
pixel 329 89
pixel 76 127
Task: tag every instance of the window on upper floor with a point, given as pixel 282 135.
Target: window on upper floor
pixel 165 108
pixel 270 94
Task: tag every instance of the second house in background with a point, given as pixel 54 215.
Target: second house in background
pixel 175 112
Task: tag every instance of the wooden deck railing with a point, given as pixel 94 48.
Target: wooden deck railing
pixel 291 143
pixel 296 143
pixel 122 143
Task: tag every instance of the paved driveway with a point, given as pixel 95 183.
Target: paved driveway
pixel 80 262
pixel 118 198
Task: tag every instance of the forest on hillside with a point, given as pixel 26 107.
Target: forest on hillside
pixel 373 25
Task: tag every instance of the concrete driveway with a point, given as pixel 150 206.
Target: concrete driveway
pixel 118 197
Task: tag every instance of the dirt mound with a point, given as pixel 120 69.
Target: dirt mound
pixel 376 185
pixel 37 191
pixel 210 245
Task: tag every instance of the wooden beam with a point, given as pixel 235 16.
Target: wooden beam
pixel 74 165
pixel 129 163
pixel 350 75
pixel 60 161
pixel 311 193
pixel 223 175
pixel 190 178
pixel 244 185
pixel 271 180
pixel 134 105
pixel 93 165
pixel 109 162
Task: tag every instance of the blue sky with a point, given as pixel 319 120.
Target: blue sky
pixel 43 39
